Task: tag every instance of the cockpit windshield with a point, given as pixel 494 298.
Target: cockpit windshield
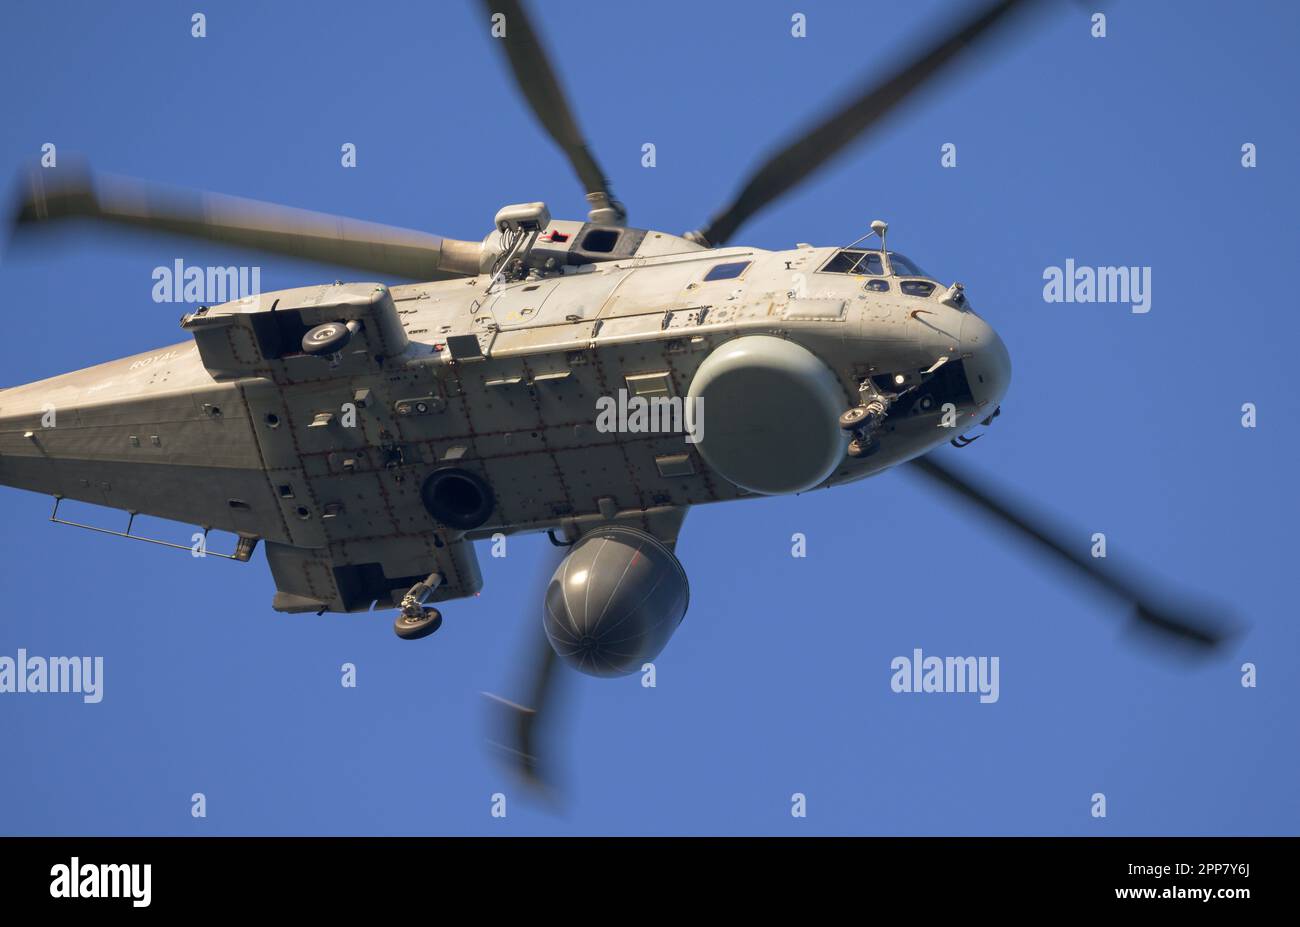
pixel 871 263
pixel 902 266
pixel 855 261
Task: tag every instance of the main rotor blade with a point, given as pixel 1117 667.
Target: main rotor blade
pixel 524 727
pixel 1201 629
pixel 538 84
pixel 73 193
pixel 815 146
pixel 521 724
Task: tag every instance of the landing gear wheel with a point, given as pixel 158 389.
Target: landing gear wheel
pixel 414 627
pixel 329 338
pixel 862 447
pixel 852 419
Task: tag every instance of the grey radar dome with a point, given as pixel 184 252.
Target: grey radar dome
pixel 614 601
pixel 771 408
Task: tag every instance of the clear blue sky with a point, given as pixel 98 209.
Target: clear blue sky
pixel 1122 150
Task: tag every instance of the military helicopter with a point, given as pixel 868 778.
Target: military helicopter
pixel 367 434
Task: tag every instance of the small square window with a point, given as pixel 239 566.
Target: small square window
pixel 726 271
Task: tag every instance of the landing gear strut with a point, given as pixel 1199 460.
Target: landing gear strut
pixel 865 420
pixel 416 621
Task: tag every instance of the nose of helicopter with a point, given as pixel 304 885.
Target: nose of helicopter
pixel 988 365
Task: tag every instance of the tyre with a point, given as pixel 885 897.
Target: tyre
pixel 412 629
pixel 850 419
pixel 860 448
pixel 329 338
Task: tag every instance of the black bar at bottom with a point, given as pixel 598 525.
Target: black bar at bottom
pixel 209 875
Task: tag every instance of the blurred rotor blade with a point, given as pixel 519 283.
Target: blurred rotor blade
pixel 74 193
pixel 538 84
pixel 1195 626
pixel 818 144
pixel 524 728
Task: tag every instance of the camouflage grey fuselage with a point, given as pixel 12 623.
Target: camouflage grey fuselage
pixel 324 459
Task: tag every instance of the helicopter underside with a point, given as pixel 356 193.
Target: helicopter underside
pixel 327 460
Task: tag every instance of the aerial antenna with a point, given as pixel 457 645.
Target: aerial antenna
pixel 880 227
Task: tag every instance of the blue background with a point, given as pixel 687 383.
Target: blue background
pixel 1122 150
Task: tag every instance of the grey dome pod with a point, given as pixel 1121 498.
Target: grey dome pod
pixel 614 601
pixel 772 408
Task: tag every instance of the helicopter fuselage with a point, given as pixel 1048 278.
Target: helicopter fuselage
pixel 327 460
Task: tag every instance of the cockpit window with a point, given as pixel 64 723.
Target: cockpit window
pixel 861 262
pixel 916 287
pixel 871 264
pixel 902 266
pixel 726 271
pixel 878 286
pixel 855 261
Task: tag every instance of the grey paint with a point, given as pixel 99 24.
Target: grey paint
pixel 614 601
pixel 769 410
pixel 523 416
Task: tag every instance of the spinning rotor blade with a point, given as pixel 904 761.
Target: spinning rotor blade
pixel 538 84
pixel 522 739
pixel 815 146
pixel 61 193
pixel 523 728
pixel 1203 630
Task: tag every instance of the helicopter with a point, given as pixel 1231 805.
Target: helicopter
pixel 367 434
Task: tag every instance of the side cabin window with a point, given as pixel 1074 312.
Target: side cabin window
pixel 728 271
pixel 855 261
